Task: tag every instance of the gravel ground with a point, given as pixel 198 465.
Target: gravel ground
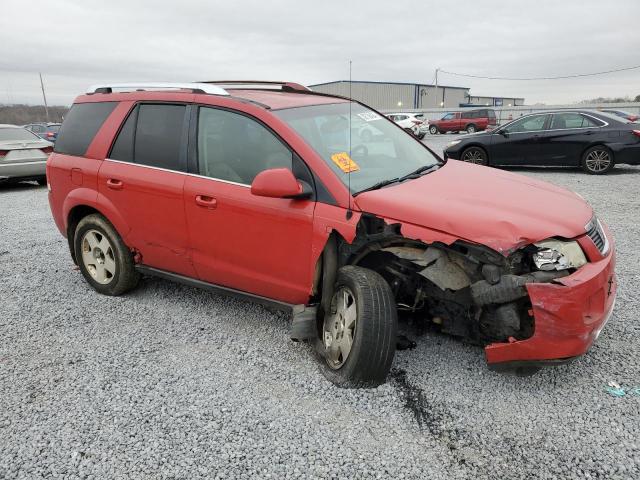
pixel 174 382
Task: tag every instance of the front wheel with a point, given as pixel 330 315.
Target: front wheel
pixel 597 160
pixel 433 130
pixel 475 155
pixel 359 331
pixel 471 128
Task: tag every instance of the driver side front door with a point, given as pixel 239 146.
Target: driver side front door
pixel 239 240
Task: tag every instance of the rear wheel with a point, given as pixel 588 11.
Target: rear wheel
pixel 433 130
pixel 475 155
pixel 104 260
pixel 597 160
pixel 359 330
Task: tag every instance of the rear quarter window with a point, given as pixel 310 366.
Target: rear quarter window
pixel 80 126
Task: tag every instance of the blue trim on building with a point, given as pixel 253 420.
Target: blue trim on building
pixel 388 83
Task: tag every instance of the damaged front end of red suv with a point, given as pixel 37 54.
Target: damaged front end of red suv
pixel 531 289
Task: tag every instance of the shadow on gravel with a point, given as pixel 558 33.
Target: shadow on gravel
pixel 618 170
pixel 18 186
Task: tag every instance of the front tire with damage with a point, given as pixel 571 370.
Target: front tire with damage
pixel 359 330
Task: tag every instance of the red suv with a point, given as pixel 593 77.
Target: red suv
pixel 262 190
pixel 470 121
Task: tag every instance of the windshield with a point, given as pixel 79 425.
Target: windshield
pixel 17 134
pixel 379 151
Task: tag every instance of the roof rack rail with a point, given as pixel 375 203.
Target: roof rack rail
pixel 260 84
pixel 194 87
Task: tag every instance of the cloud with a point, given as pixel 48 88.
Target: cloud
pixel 75 44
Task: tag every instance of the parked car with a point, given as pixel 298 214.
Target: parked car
pixel 23 155
pixel 469 120
pixel 595 141
pixel 47 131
pixel 412 122
pixel 263 192
pixel 621 113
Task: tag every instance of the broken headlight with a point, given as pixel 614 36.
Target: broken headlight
pixel 558 255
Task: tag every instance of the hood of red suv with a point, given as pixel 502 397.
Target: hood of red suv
pixel 498 209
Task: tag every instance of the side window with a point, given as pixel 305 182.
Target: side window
pixel 571 120
pixel 236 148
pixel 527 124
pixel 158 136
pixel 152 135
pixel 449 116
pixel 80 126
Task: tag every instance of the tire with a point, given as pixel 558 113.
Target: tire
pixel 361 355
pixel 421 135
pixel 597 160
pixel 471 128
pixel 475 155
pixel 42 181
pixel 104 260
pixel 433 130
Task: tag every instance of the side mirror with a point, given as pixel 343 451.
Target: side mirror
pixel 279 183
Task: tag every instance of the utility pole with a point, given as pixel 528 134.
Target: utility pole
pixel 437 96
pixel 46 107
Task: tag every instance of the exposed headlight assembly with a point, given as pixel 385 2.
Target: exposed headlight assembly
pixel 558 255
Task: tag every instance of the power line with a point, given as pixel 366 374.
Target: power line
pixel 542 78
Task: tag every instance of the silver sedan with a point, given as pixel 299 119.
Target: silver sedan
pixel 23 155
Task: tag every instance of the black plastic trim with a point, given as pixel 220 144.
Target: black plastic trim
pixel 192 282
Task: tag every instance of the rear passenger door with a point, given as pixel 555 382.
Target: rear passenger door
pixel 250 243
pixel 568 136
pixel 143 180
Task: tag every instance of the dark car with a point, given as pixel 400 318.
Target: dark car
pixel 595 141
pixel 469 120
pixel 621 113
pixel 48 131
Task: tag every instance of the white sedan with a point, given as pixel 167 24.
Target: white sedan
pixel 23 155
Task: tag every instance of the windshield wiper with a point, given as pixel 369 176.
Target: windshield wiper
pixel 419 172
pixel 378 185
pixel 411 175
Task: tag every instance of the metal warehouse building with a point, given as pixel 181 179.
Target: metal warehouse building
pixel 394 95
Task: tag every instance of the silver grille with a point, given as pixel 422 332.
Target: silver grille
pixel 596 234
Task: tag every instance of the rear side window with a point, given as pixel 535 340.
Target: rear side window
pixel 152 135
pixel 492 114
pixel 80 126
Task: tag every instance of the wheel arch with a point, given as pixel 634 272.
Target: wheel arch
pixel 76 211
pixel 596 144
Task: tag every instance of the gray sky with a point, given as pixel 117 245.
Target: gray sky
pixel 78 43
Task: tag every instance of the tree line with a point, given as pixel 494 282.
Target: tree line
pixel 23 114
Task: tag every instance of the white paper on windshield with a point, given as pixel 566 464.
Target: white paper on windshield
pixel 369 116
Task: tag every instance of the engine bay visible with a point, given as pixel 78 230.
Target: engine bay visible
pixel 468 290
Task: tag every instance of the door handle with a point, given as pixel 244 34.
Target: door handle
pixel 206 201
pixel 589 132
pixel 115 184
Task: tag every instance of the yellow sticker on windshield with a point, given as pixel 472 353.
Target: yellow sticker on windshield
pixel 345 162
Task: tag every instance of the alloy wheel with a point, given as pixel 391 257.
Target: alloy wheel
pixel 474 155
pixel 339 328
pixel 98 256
pixel 598 161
